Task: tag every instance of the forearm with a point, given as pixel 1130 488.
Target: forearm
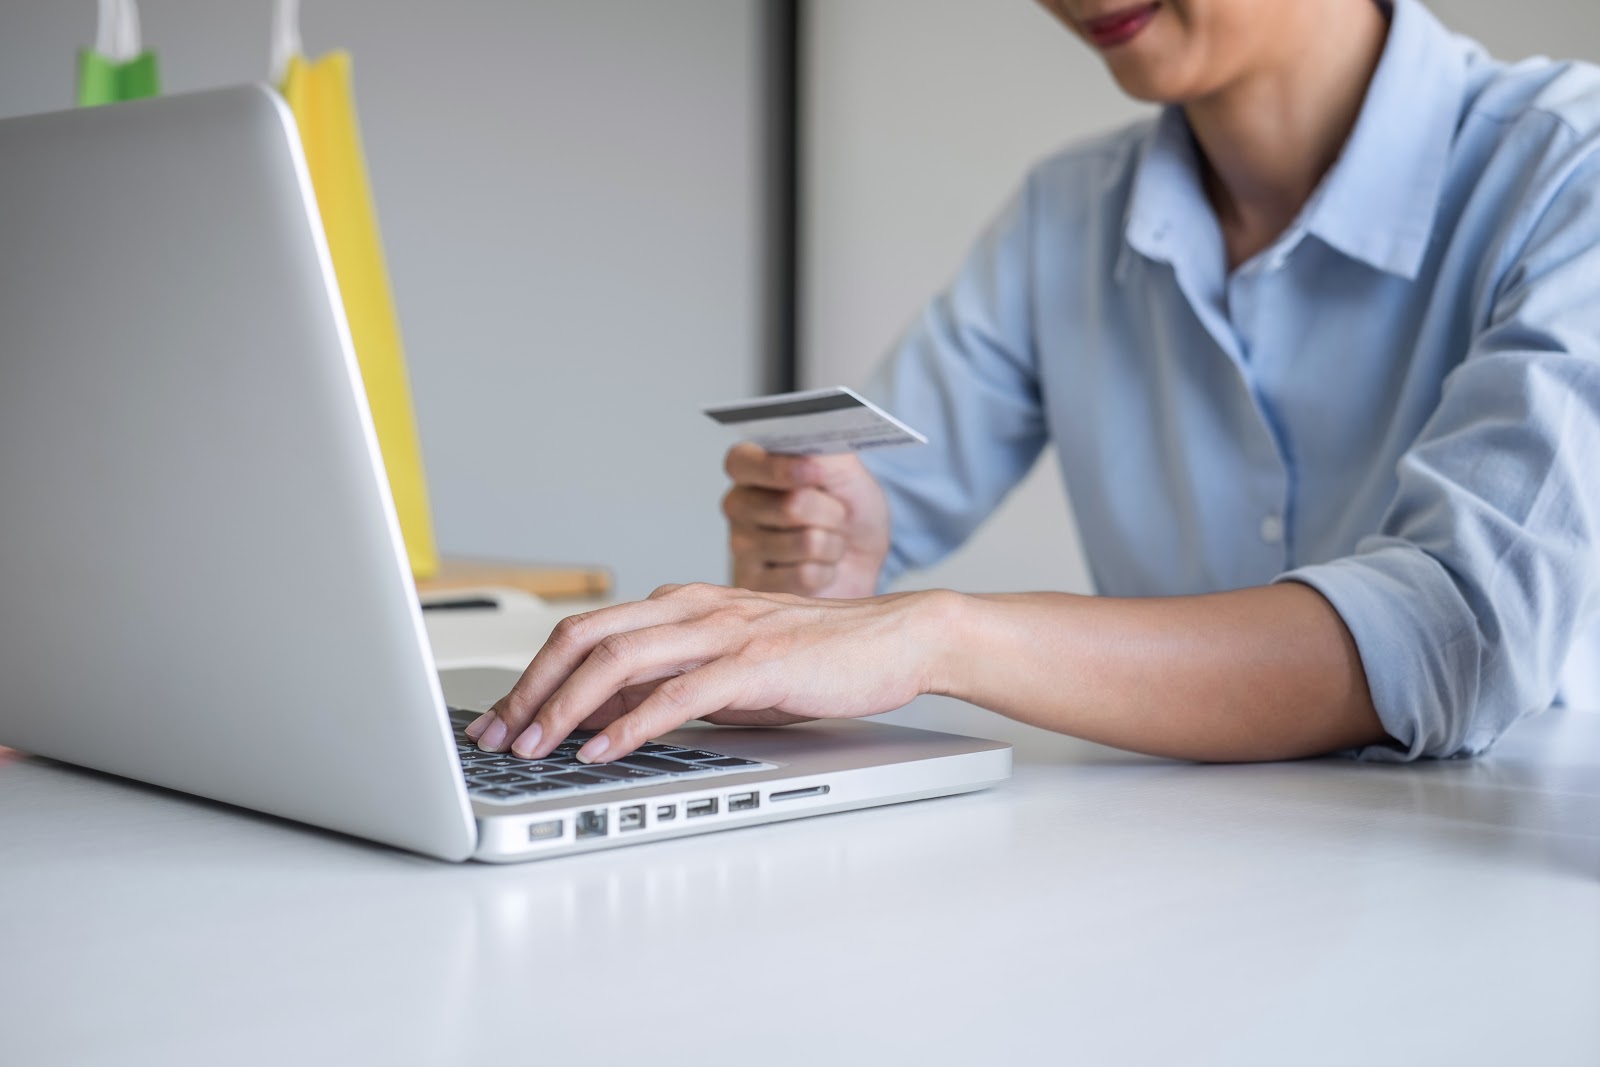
pixel 1257 674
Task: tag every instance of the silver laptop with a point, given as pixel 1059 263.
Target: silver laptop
pixel 202 584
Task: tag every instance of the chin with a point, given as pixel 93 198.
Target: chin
pixel 1156 82
pixel 1140 86
pixel 1163 65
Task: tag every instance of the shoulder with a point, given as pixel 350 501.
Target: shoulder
pixel 1534 103
pixel 1527 159
pixel 1536 90
pixel 1078 198
pixel 1090 174
pixel 1110 154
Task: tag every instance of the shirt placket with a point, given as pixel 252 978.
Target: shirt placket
pixel 1250 311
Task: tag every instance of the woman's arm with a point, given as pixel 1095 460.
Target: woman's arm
pixel 1259 674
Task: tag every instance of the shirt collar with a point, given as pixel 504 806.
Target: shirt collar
pixel 1169 217
pixel 1377 204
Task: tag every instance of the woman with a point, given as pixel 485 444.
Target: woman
pixel 1319 350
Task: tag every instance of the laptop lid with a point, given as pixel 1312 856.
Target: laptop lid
pixel 202 583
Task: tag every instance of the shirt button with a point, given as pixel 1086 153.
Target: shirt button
pixel 1272 529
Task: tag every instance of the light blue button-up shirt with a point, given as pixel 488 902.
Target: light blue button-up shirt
pixel 1398 403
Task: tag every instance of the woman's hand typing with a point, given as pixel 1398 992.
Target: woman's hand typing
pixel 730 656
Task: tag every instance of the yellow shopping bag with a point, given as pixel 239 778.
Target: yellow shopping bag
pixel 319 93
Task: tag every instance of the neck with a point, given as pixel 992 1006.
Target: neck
pixel 1270 136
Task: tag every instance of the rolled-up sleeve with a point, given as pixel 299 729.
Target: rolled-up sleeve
pixel 1466 604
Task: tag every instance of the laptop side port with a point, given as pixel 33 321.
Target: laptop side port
pixel 666 812
pixel 591 823
pixel 696 808
pixel 546 830
pixel 630 818
pixel 743 801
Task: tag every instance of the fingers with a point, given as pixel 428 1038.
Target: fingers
pixel 751 465
pixel 706 691
pixel 569 644
pixel 617 706
pixel 801 579
pixel 771 509
pixel 804 562
pixel 616 663
pixel 810 545
pixel 787 531
pixel 785 542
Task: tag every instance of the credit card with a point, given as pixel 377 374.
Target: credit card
pixel 815 422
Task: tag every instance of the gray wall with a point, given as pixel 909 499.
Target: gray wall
pixel 571 199
pixel 922 116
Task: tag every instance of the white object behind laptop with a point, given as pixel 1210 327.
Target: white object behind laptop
pixel 202 583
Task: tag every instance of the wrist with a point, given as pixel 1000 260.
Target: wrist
pixel 978 643
pixel 941 620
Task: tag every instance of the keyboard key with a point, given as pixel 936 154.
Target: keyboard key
pixel 530 788
pixel 541 768
pixel 500 778
pixel 511 796
pixel 501 792
pixel 698 754
pixel 507 761
pixel 577 778
pixel 619 770
pixel 656 763
pixel 732 761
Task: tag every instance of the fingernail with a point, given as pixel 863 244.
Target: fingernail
pixel 594 749
pixel 496 733
pixel 478 725
pixel 529 741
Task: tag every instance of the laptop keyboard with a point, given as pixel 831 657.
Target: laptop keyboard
pixel 501 778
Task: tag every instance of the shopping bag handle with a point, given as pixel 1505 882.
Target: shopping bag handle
pixel 117 36
pixel 285 37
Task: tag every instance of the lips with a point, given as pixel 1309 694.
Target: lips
pixel 1121 26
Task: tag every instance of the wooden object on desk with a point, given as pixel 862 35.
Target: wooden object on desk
pixel 550 582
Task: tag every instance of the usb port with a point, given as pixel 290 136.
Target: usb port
pixel 591 823
pixel 630 818
pixel 743 801
pixel 666 812
pixel 696 808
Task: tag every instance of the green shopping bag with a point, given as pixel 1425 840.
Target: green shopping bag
pixel 117 67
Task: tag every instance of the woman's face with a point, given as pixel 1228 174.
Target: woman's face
pixel 1175 51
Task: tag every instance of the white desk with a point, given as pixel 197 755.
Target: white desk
pixel 1099 909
